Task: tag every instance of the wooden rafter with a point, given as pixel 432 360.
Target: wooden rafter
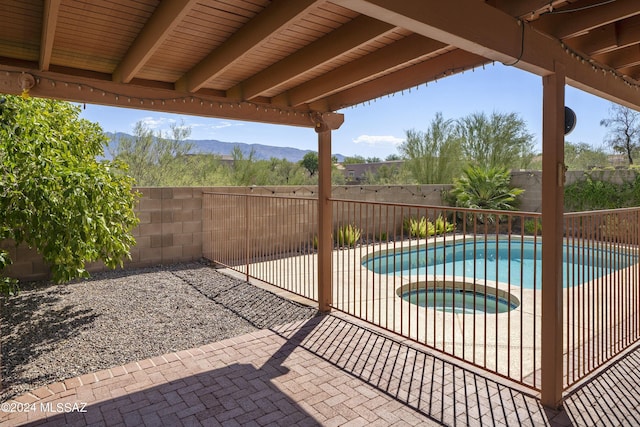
pixel 346 38
pixel 489 32
pixel 276 16
pixel 580 22
pixel 49 21
pixel 455 61
pixel 165 18
pixel 380 61
pixel 621 58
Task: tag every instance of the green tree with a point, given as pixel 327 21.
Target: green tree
pixel 385 175
pixel 245 170
pixel 354 160
pixel 582 156
pixel 149 155
pixel 310 162
pixel 392 157
pixel 496 141
pixel 432 157
pixel 624 130
pixel 55 196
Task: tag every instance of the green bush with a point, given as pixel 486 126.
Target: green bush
pixel 8 285
pixel 481 188
pixel 422 227
pixel 533 226
pixel 348 235
pixel 55 196
pixel 442 226
pixel 594 193
pixel 416 227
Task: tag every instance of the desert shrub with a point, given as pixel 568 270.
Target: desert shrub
pixel 533 226
pixel 481 188
pixel 422 227
pixel 348 235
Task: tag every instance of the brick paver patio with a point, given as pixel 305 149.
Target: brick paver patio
pixel 330 370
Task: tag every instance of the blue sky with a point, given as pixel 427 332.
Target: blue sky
pixel 378 127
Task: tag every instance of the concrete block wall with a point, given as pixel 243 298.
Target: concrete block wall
pixel 171 219
pixel 170 231
pixel 531 183
pixel 170 228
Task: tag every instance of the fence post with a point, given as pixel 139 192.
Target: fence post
pixel 247 234
pixel 325 221
pixel 552 233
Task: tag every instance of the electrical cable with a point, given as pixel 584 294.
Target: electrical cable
pixel 521 23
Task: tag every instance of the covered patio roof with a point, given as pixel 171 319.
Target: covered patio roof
pixel 299 62
pixel 288 61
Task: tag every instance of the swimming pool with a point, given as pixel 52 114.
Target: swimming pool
pixel 515 261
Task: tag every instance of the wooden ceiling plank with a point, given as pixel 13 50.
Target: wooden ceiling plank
pixel 165 18
pixel 490 33
pixel 49 22
pixel 346 38
pixel 277 15
pixel 573 24
pixel 380 61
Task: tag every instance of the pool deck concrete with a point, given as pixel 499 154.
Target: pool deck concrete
pixel 328 371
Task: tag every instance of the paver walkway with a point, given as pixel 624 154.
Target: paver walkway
pixel 330 370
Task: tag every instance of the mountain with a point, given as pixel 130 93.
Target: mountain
pixel 213 146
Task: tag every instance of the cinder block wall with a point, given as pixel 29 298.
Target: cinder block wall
pixel 170 227
pixel 171 219
pixel 170 231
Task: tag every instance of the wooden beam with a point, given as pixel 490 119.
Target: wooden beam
pixel 553 177
pixel 343 40
pixel 325 222
pixel 49 22
pixel 165 18
pixel 383 60
pixel 633 72
pixel 65 86
pixel 488 32
pixel 620 58
pixel 528 8
pixel 279 14
pixel 580 22
pixel 439 67
pixel 482 29
pixel 608 37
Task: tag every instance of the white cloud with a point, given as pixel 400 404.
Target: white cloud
pixel 156 122
pixel 378 140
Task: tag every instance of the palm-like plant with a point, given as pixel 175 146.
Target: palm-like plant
pixel 486 188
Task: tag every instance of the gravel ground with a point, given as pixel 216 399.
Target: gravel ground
pixel 53 332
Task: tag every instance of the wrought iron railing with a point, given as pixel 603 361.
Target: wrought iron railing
pixel 464 282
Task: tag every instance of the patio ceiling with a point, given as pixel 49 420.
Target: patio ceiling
pixel 291 62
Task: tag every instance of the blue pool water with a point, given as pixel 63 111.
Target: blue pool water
pixel 458 301
pixel 518 263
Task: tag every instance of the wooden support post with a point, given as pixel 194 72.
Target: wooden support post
pixel 325 220
pixel 553 174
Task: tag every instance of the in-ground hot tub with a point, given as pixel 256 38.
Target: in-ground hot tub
pixel 457 297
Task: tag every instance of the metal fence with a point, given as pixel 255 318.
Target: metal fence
pixel 264 237
pixel 602 301
pixel 463 282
